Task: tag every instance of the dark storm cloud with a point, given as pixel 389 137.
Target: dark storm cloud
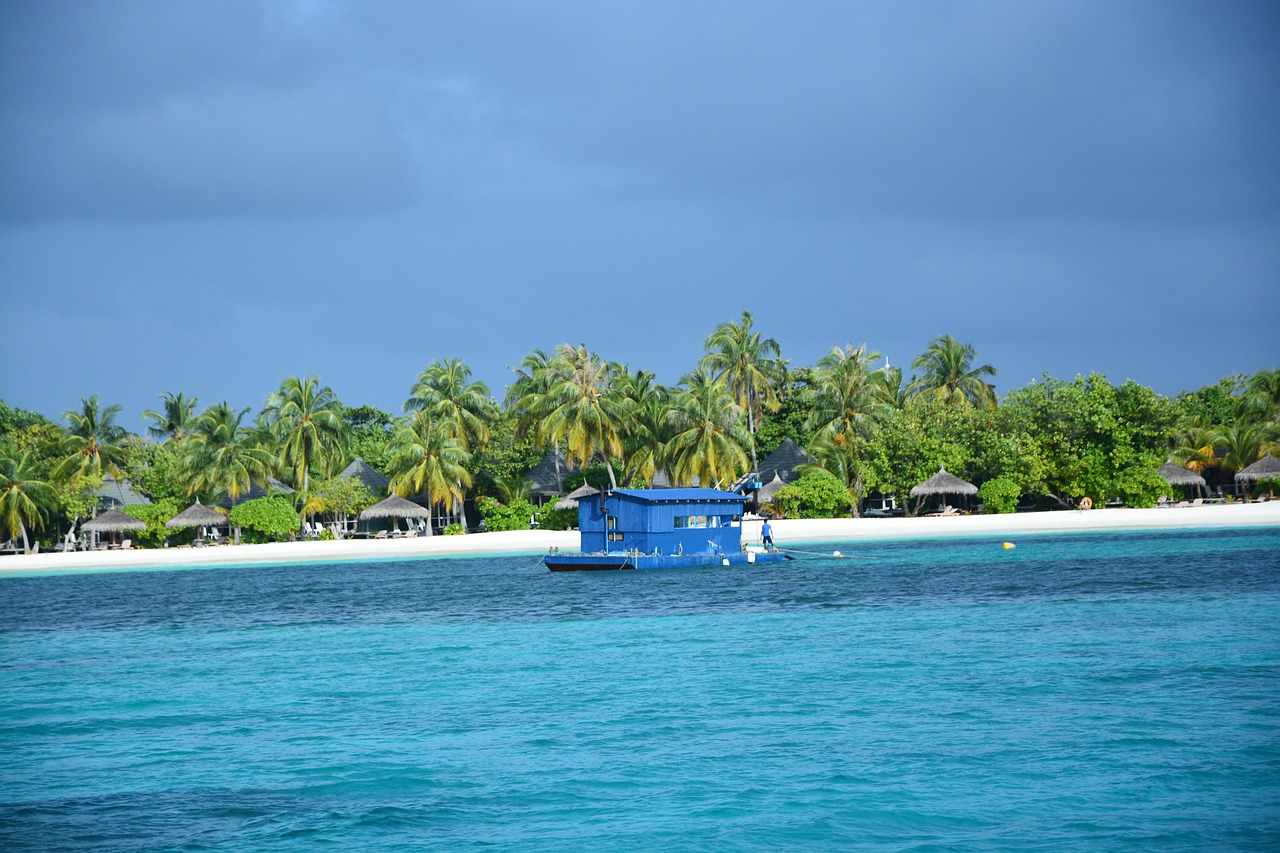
pixel 391 182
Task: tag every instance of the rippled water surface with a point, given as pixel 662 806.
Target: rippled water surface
pixel 1107 692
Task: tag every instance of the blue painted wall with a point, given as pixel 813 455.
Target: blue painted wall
pixel 645 521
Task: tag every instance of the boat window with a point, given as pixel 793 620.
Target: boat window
pixel 612 522
pixel 681 521
pixel 615 536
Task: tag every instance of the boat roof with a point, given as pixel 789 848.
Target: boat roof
pixel 681 495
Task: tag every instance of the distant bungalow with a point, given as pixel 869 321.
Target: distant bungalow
pixel 660 529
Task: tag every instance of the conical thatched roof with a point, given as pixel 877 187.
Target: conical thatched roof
pixel 770 489
pixel 395 507
pixel 1266 468
pixel 783 462
pixel 943 483
pixel 113 521
pixel 371 478
pixel 1176 475
pixel 197 515
pixel 570 501
pixel 118 493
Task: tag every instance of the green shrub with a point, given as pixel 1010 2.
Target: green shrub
pixel 454 529
pixel 500 516
pixel 999 495
pixel 550 518
pixel 326 535
pixel 817 494
pixel 265 519
pixel 155 514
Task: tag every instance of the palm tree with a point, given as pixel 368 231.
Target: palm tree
pixel 1193 448
pixel 709 440
pixel 306 419
pixel 222 454
pixel 749 367
pixel 888 388
pixel 840 454
pixel 527 399
pixel 581 407
pixel 1242 445
pixel 845 393
pixel 646 423
pixel 426 456
pixel 950 376
pixel 93 443
pixel 177 420
pixel 23 497
pixel 445 393
pixel 1262 394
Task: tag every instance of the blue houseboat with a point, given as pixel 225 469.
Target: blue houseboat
pixel 660 529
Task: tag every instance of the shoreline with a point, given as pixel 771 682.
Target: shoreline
pixel 538 542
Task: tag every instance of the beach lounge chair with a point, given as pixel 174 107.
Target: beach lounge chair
pixel 946 511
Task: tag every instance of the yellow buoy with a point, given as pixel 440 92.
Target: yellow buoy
pixel 1008 546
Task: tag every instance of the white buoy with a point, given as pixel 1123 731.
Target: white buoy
pixel 837 554
pixel 725 561
pixel 751 556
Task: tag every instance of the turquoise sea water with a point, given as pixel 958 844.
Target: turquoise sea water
pixel 1085 692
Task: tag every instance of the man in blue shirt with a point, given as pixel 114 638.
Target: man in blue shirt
pixel 766 534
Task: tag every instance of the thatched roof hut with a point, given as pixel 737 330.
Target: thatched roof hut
pixel 541 478
pixel 197 515
pixel 368 476
pixel 116 494
pixel 783 463
pixel 570 501
pixel 256 490
pixel 395 507
pixel 943 483
pixel 1176 475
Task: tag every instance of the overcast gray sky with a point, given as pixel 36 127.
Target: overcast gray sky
pixel 207 197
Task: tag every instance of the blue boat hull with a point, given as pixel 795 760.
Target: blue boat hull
pixel 616 562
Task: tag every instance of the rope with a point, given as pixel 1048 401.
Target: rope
pixel 836 554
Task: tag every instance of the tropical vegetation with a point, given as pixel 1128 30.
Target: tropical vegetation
pixel 867 429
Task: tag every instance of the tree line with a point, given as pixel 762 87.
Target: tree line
pixel 869 428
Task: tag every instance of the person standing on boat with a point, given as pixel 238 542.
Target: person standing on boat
pixel 766 534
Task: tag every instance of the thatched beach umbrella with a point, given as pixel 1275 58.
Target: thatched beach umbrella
pixel 1266 468
pixel 570 501
pixel 112 521
pixel 944 484
pixel 197 515
pixel 769 489
pixel 1175 475
pixel 396 507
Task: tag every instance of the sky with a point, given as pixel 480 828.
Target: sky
pixel 209 197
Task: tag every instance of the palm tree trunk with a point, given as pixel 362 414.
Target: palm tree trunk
pixel 555 457
pixel 751 430
pixel 26 546
pixel 431 515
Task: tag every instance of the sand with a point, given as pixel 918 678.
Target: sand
pixel 787 532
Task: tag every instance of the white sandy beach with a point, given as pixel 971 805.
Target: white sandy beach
pixel 787 532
